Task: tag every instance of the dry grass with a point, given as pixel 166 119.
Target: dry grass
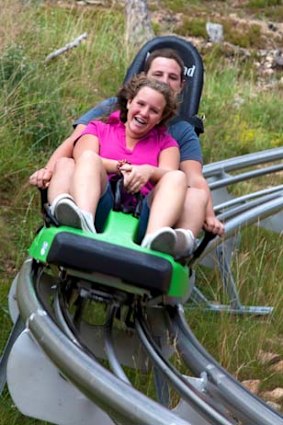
pixel 10 24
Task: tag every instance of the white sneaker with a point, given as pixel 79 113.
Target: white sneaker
pixel 58 199
pixel 163 240
pixel 69 214
pixel 185 243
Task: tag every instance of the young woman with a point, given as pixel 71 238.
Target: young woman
pixel 133 141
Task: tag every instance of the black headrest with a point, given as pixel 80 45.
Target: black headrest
pixel 193 69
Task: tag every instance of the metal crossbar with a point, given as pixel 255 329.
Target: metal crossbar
pixel 227 208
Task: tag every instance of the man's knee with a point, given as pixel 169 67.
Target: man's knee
pixel 197 195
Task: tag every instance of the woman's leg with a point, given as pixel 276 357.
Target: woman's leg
pixel 61 179
pixel 166 206
pixel 85 180
pixel 89 181
pixel 167 202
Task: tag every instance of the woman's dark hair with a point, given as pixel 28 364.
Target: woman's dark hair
pixel 168 54
pixel 131 89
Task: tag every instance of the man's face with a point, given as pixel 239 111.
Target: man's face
pixel 168 71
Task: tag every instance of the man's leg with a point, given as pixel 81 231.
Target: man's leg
pixel 190 222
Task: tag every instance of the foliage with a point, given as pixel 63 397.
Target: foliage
pixel 243 35
pixel 264 3
pixel 180 5
pixel 274 13
pixel 192 27
pixel 239 119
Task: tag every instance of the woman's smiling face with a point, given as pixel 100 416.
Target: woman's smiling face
pixel 145 111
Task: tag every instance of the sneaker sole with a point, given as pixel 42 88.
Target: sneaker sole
pixel 165 242
pixel 59 199
pixel 67 215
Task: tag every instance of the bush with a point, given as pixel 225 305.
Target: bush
pixel 192 27
pixel 264 3
pixel 243 35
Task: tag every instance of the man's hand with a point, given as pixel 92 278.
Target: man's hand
pixel 213 225
pixel 41 178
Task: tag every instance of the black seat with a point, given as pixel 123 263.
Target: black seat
pixel 193 71
pixel 144 270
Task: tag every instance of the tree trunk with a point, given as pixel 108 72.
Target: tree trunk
pixel 138 24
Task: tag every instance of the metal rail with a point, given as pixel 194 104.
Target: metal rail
pixel 259 212
pixel 199 402
pixel 117 398
pixel 250 409
pixel 240 200
pixel 244 161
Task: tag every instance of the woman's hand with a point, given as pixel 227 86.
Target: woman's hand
pixel 135 176
pixel 41 178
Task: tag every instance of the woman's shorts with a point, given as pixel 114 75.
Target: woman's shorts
pixel 105 205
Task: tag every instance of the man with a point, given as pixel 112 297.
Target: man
pixel 164 65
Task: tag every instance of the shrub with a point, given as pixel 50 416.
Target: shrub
pixel 264 3
pixel 192 27
pixel 243 35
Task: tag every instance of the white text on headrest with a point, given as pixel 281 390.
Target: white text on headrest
pixel 189 72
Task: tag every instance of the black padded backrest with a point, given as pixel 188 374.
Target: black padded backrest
pixel 193 70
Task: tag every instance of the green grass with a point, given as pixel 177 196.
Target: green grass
pixel 252 119
pixel 236 340
pixel 39 102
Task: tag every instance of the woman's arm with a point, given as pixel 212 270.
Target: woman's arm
pixel 136 176
pixel 169 159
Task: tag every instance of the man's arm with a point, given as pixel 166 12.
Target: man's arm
pixel 42 177
pixel 103 109
pixel 193 171
pixel 66 148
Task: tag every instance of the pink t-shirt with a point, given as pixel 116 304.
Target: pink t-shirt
pixel 112 143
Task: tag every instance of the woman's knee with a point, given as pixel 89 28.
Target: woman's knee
pixel 175 178
pixel 89 156
pixel 64 164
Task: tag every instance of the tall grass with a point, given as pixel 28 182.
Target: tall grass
pixel 38 103
pixel 39 100
pixel 240 118
pixel 236 341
